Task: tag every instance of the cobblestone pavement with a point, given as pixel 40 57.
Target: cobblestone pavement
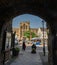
pixel 26 58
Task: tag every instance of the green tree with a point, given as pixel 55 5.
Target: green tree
pixel 28 33
pixel 33 34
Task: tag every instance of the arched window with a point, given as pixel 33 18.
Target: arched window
pixel 24 26
pixel 21 27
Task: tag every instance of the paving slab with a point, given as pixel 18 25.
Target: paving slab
pixel 27 58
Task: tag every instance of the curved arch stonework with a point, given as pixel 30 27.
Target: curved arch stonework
pixel 46 9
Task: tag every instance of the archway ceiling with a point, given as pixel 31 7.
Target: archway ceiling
pixel 47 9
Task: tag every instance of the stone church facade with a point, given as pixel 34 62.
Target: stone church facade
pixel 25 26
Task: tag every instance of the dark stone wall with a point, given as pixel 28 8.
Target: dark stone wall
pixel 7 26
pixel 50 54
pixel 52 44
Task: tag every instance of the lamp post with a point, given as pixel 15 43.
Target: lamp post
pixel 43 40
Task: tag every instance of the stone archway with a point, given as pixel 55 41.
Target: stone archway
pixel 45 9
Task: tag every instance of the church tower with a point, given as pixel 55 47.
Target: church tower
pixel 24 26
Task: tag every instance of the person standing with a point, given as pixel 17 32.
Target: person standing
pixel 23 45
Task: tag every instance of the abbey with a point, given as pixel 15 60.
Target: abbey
pixel 25 26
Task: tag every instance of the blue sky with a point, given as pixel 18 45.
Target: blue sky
pixel 35 21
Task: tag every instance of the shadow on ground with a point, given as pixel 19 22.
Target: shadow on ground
pixel 44 58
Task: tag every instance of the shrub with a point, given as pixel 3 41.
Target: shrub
pixel 16 51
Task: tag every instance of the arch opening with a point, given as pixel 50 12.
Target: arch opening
pixel 32 23
pixel 41 8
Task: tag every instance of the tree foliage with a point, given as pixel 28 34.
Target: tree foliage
pixel 28 33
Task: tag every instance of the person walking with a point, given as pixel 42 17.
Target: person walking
pixel 23 45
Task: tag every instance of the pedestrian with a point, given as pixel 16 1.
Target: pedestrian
pixel 23 45
pixel 33 48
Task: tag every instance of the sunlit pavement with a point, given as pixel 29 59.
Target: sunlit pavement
pixel 26 58
pixel 32 44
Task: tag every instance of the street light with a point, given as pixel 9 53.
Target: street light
pixel 43 40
